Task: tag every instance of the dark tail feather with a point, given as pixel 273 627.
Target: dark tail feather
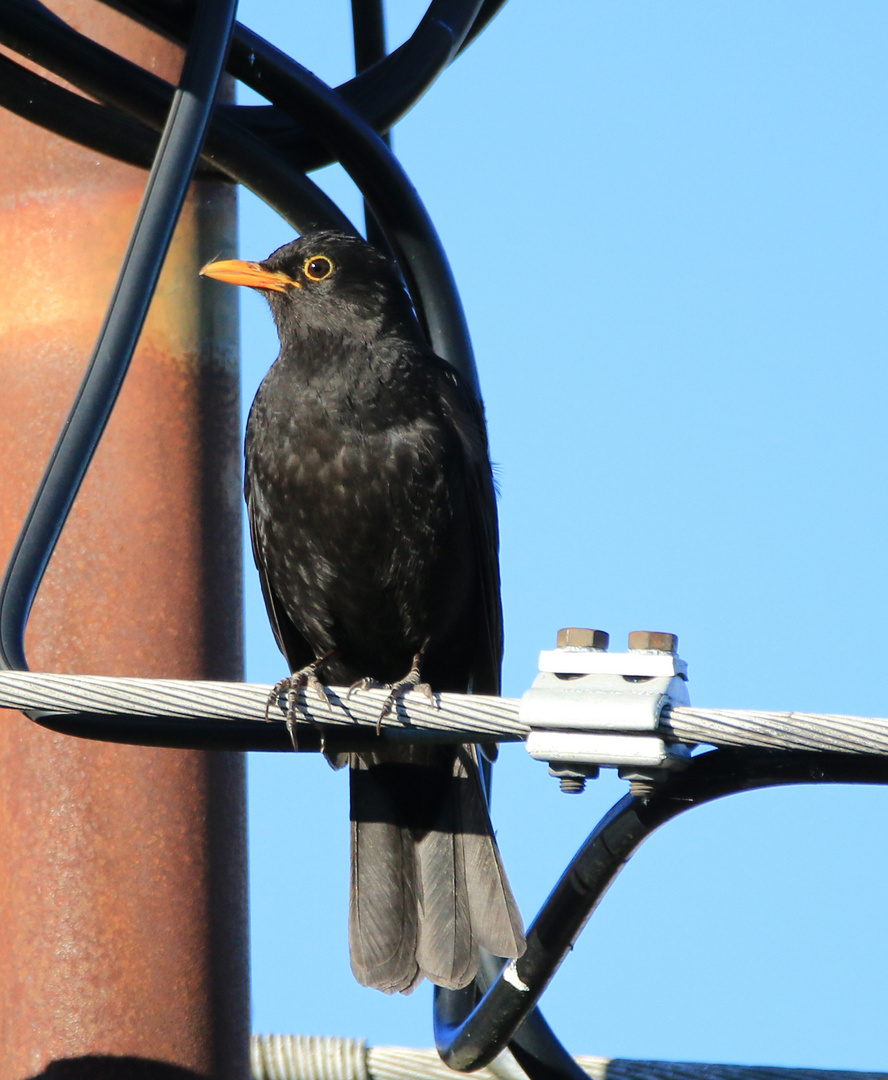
pixel 446 951
pixel 496 921
pixel 382 928
pixel 428 887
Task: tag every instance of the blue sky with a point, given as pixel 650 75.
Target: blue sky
pixel 668 224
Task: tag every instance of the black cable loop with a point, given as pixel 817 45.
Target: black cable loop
pixel 397 206
pixel 382 94
pixel 362 153
pixel 164 195
pixel 101 128
pixel 32 30
pixel 469 1036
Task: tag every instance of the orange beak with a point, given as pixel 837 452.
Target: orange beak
pixel 238 272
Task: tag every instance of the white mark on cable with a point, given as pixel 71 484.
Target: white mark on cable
pixel 511 976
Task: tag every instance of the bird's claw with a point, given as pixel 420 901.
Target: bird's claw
pixel 364 684
pixel 274 695
pixel 289 687
pixel 396 693
pixel 397 690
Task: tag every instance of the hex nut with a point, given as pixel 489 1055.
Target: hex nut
pixel 653 641
pixel 579 637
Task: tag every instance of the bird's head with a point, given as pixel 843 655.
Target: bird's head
pixel 324 282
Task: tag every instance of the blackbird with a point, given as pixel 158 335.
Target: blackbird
pixel 373 523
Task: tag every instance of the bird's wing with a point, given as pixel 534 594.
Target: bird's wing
pixel 467 416
pixel 291 643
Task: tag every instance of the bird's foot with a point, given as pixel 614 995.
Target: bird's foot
pixel 411 681
pixel 398 690
pixel 289 688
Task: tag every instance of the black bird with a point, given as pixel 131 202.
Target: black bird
pixel 373 523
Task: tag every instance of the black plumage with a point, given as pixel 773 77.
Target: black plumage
pixel 373 523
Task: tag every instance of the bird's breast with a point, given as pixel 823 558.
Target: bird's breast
pixel 360 509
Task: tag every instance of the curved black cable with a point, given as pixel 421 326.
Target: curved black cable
pixel 32 30
pixel 164 195
pixel 468 1036
pixel 395 202
pixel 74 117
pixel 388 90
pixel 382 94
pixel 489 9
pixel 540 1052
pixel 363 154
pixel 535 1046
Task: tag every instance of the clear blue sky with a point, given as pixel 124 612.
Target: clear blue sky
pixel 668 225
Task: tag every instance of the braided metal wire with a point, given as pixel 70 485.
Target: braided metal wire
pixel 457 717
pixel 311 1057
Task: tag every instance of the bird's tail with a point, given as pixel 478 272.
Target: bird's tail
pixel 428 888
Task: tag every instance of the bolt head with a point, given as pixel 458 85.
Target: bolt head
pixel 653 641
pixel 578 637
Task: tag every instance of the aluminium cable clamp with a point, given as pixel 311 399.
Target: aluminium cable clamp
pixel 589 708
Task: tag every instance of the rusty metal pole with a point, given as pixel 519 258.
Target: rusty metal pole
pixel 123 928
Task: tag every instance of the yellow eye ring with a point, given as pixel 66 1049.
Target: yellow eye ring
pixel 317 267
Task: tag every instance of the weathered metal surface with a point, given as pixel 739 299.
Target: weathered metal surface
pixel 123 884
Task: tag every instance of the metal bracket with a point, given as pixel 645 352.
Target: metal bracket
pixel 589 708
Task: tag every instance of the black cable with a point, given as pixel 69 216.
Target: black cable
pixel 165 193
pixel 469 1036
pixel 396 204
pixel 368 34
pixel 368 37
pixel 32 30
pixel 540 1052
pixel 27 27
pixel 382 93
pixel 74 117
pixel 535 1046
pixel 488 9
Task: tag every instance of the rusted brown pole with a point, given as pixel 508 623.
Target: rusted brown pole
pixel 123 931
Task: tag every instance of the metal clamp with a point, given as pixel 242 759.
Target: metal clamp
pixel 589 708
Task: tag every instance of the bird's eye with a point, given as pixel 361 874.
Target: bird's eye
pixel 317 268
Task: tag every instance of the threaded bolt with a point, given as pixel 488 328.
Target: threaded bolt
pixel 641 789
pixel 573 785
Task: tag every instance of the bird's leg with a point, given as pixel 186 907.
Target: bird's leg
pixel 292 684
pixel 411 681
